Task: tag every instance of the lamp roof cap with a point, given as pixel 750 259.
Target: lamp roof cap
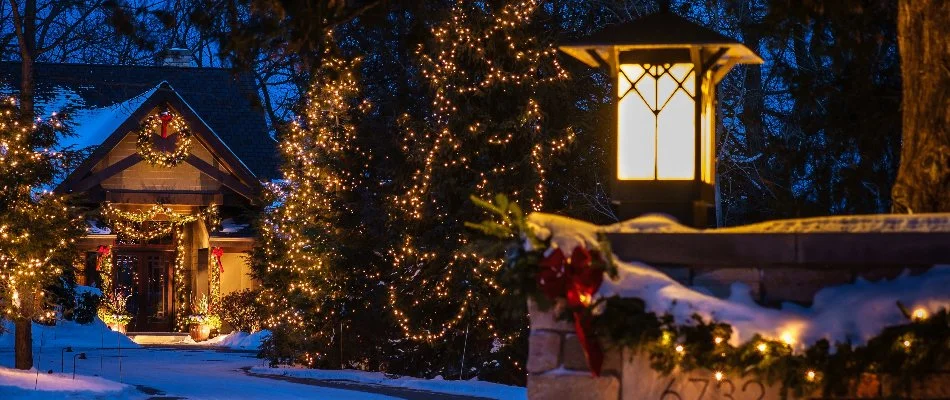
pixel 659 30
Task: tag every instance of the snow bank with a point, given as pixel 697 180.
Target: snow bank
pixel 69 333
pixel 243 340
pixel 235 340
pixel 467 388
pixel 20 385
pixel 854 312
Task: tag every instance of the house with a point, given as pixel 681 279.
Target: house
pixel 173 149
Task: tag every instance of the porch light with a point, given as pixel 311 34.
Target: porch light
pixel 665 70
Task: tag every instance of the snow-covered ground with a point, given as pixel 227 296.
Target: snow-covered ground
pixel 468 388
pixel 117 368
pixel 16 384
pixel 854 312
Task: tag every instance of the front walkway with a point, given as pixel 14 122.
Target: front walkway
pixel 182 373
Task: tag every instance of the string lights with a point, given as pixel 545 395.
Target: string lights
pixel 161 122
pixel 37 228
pixel 310 290
pixel 159 221
pixel 486 133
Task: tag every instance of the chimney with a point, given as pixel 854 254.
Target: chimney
pixel 177 57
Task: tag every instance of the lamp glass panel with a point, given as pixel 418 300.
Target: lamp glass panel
pixel 676 140
pixel 636 142
pixel 656 122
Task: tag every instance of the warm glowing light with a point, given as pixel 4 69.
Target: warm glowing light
pixel 585 298
pixel 707 141
pixel 680 348
pixel 907 343
pixel 656 117
pixel 718 375
pixel 788 338
pixel 762 347
pixel 810 375
pixel 667 337
pixel 920 314
pixel 718 340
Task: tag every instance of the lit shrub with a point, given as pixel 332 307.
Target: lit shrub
pixel 241 311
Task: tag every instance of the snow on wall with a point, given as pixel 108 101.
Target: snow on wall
pixel 879 223
pixel 854 312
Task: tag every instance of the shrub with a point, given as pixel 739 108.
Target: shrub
pixel 241 311
pixel 87 305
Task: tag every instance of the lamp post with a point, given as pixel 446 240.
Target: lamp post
pixel 665 70
pixel 62 358
pixel 81 356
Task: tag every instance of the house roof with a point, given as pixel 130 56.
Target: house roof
pixel 227 103
pixel 119 122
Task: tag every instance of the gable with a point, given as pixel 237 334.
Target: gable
pixel 116 171
pixel 144 177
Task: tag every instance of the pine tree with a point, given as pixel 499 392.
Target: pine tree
pixel 37 228
pixel 314 284
pixel 487 73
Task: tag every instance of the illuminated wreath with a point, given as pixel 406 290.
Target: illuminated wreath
pixel 158 157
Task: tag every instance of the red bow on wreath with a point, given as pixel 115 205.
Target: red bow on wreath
pixel 577 280
pixel 217 252
pixel 103 252
pixel 165 117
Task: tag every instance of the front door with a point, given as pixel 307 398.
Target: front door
pixel 146 277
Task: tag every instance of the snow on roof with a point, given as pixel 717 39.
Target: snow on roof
pixel 229 225
pixel 853 312
pixel 93 125
pixel 94 227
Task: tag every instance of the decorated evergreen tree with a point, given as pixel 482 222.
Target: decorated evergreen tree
pixel 317 288
pixel 37 228
pixel 487 74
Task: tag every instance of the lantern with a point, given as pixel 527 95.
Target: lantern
pixel 665 70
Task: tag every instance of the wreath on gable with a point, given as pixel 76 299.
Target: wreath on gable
pixel 159 157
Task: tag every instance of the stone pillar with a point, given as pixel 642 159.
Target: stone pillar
pixel 557 367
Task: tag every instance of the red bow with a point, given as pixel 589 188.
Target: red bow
pixel 165 117
pixel 577 280
pixel 103 252
pixel 217 252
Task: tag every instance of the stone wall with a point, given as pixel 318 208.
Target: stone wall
pixel 557 370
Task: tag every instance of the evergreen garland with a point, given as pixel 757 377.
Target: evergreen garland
pixel 906 352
